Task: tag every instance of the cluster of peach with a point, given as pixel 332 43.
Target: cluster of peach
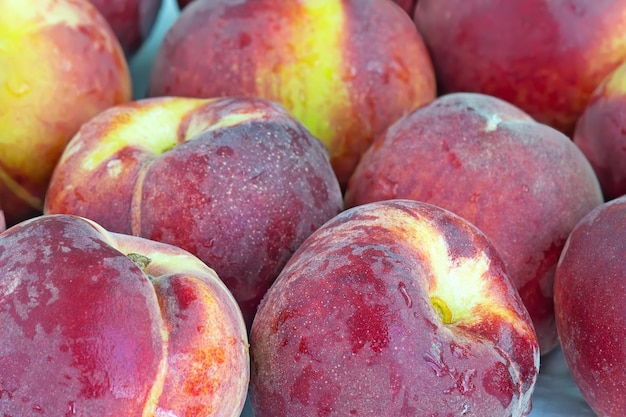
pixel 338 207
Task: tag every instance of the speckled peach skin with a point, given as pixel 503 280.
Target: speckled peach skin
pixel 103 324
pixel 238 182
pixel 395 308
pixel 522 183
pixel 60 65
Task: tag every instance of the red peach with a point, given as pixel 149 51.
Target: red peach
pixel 347 69
pixel 238 182
pixel 395 308
pixel 101 324
pixel 601 133
pixel 545 57
pixel 131 20
pixel 589 298
pixel 524 184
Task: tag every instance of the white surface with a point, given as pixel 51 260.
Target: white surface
pixel 555 395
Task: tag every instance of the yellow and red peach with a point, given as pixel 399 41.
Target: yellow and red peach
pixel 395 308
pixel 60 65
pixel 524 184
pixel 601 133
pixel 345 68
pixel 98 323
pixel 238 182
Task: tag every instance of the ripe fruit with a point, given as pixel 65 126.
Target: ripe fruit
pixel 589 294
pixel 102 324
pixel 546 57
pixel 238 182
pixel 522 183
pixel 346 69
pixel 60 65
pixel 395 308
pixel 601 133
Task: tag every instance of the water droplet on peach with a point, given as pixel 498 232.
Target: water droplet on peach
pixel 17 87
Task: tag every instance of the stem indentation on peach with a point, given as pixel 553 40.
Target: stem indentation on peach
pixel 442 309
pixel 140 260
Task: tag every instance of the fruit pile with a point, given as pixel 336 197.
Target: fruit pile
pixel 320 207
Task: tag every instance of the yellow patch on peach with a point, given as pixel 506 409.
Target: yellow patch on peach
pixel 26 107
pixel 204 367
pixel 615 84
pixel 609 41
pixel 156 390
pixel 459 287
pixel 199 124
pixel 309 83
pixel 143 127
pixel 201 376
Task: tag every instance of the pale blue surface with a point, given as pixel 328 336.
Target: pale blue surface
pixel 555 395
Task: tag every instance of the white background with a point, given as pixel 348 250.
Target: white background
pixel 555 393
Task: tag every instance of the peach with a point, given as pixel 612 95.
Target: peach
pixel 523 183
pixel 589 299
pixel 395 308
pixel 601 133
pixel 238 182
pixel 346 69
pixel 60 65
pixel 545 57
pixel 102 324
